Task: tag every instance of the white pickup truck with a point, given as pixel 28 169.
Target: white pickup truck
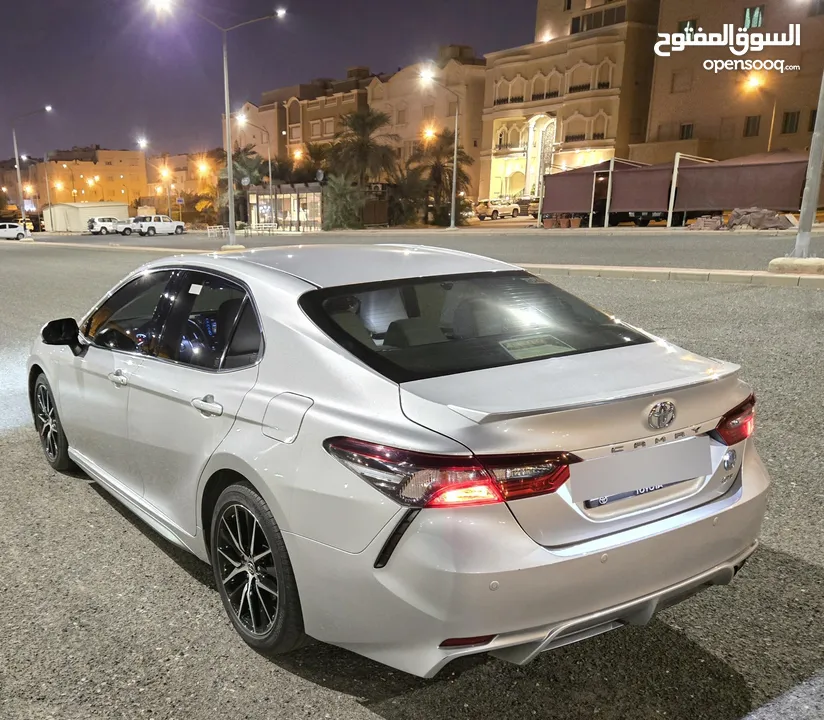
pixel 129 225
pixel 160 225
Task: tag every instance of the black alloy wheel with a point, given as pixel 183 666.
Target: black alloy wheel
pixel 48 426
pixel 253 574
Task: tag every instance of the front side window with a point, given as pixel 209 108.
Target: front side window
pixel 205 320
pixel 165 218
pixel 131 319
pixel 421 328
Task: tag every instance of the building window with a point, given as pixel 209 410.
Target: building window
pixel 688 26
pixel 816 7
pixel 567 5
pixel 108 162
pixel 401 120
pixel 453 108
pixel 314 128
pixel 294 132
pixel 686 131
pixel 752 125
pixel 813 116
pixel 601 18
pixel 429 112
pixel 328 126
pixel 753 17
pixel 790 123
pixel 681 81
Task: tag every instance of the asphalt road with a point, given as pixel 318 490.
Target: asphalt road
pixel 506 240
pixel 101 618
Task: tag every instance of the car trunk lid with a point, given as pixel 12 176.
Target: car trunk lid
pixel 597 406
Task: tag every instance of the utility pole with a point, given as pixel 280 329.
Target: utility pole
pixel 809 203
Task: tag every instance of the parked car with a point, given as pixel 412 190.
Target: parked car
pixel 642 219
pixel 129 225
pixel 409 452
pixel 102 225
pixel 160 225
pixel 534 208
pixel 493 209
pixel 13 231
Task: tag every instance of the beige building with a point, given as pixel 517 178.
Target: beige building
pixel 187 173
pixel 729 113
pixel 576 96
pixel 91 174
pixel 290 117
pixel 418 109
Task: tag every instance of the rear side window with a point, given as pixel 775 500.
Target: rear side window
pixel 428 327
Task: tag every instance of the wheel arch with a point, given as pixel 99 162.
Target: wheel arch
pixel 34 372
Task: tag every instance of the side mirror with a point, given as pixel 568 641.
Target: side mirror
pixel 62 332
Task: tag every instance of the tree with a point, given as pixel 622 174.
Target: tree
pixel 342 203
pixel 435 160
pixel 408 193
pixel 363 147
pixel 316 157
pixel 246 165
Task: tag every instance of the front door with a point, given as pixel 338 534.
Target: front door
pixel 94 387
pixel 185 399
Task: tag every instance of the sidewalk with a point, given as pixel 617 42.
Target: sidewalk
pixel 738 277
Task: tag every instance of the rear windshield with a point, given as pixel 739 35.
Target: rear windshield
pixel 428 327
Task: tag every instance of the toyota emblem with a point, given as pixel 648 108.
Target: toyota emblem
pixel 662 415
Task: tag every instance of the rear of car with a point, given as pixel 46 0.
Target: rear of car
pixel 596 474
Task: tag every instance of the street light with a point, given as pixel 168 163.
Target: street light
pixel 45 108
pixel 242 120
pixel 298 154
pixel 428 78
pixel 142 143
pixel 165 6
pixel 755 83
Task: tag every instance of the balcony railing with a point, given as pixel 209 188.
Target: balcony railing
pixel 553 94
pixel 516 98
pixel 508 147
pixel 575 138
pixel 502 101
pixel 598 136
pixel 604 85
pixel 580 88
pixel 538 96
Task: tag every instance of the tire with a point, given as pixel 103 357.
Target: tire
pixel 178 230
pixel 515 212
pixel 241 509
pixel 150 232
pixel 481 217
pixel 48 426
pixel 535 215
pixel 494 215
pixel 20 236
pixel 104 231
pixel 642 222
pixel 127 231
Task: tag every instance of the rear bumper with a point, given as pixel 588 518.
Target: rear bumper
pixel 475 572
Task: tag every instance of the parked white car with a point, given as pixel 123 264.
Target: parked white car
pixel 102 225
pixel 130 225
pixel 495 209
pixel 160 225
pixel 13 231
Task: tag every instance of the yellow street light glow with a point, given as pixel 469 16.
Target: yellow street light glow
pixel 28 188
pixel 754 82
pixel 90 182
pixel 4 189
pixel 241 118
pixel 427 75
pixel 97 178
pixel 203 168
pixel 429 133
pixel 164 172
pixel 173 186
pixel 158 190
pixel 58 186
pixel 298 154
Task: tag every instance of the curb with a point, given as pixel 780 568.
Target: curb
pixel 736 277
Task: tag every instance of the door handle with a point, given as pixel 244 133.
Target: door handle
pixel 118 378
pixel 207 405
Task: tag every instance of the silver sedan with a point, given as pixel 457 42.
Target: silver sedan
pixel 412 453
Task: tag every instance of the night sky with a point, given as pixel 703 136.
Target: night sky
pixel 114 72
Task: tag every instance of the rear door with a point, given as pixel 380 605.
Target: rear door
pixel 185 398
pixel 168 226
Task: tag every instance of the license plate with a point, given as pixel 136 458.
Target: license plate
pixel 607 499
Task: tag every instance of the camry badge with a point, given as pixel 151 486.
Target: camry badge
pixel 662 415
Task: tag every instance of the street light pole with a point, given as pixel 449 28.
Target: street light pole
pixel 48 190
pixel 21 199
pixel 809 203
pixel 229 150
pixel 772 123
pixel 428 76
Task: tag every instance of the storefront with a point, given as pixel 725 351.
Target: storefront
pixel 296 208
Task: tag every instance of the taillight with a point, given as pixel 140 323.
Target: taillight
pixel 738 424
pixel 437 481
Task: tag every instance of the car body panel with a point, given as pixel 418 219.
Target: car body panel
pixel 11 230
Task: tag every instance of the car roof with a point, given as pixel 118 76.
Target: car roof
pixel 335 265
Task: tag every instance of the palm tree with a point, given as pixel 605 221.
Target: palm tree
pixel 316 157
pixel 248 170
pixel 343 203
pixel 408 193
pixel 435 160
pixel 363 147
